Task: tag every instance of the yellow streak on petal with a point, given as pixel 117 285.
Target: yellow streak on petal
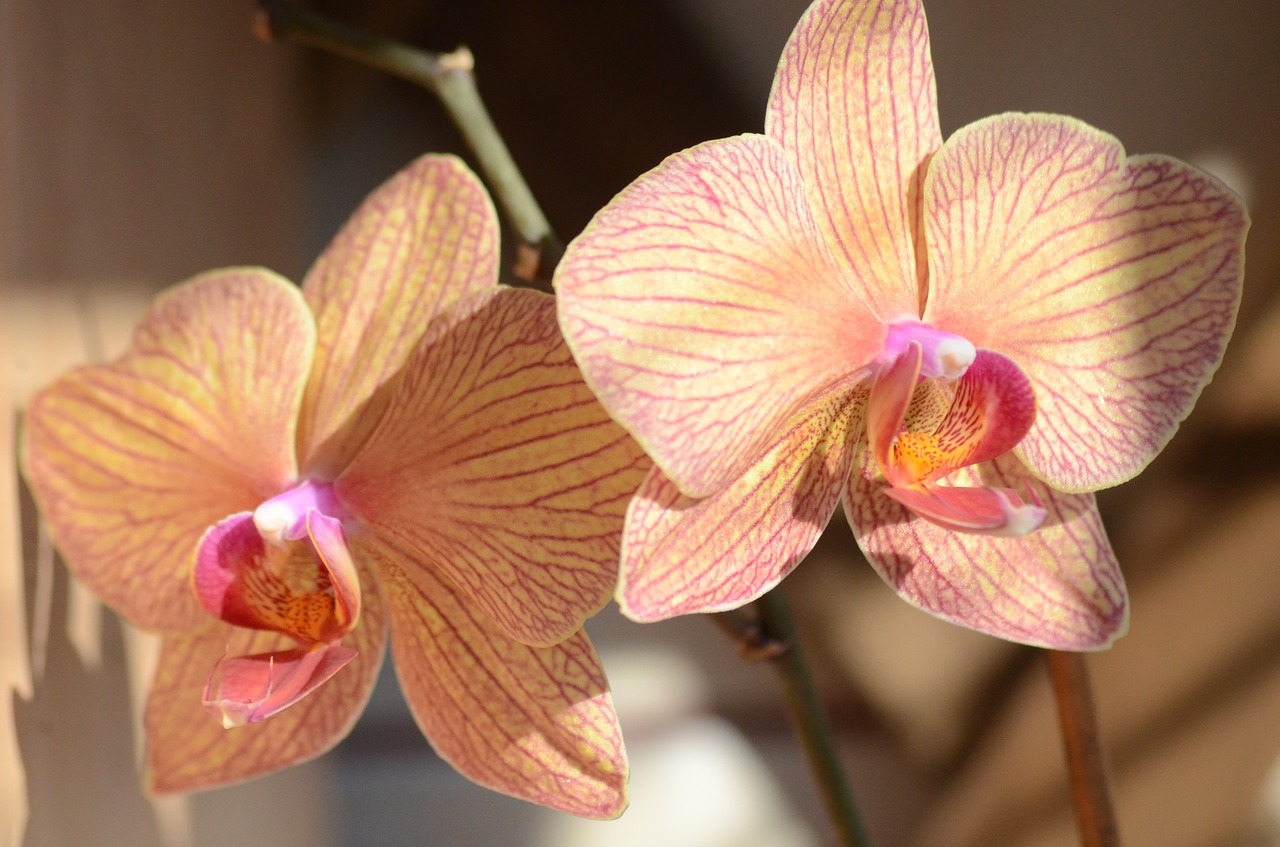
pixel 854 105
pixel 426 237
pixel 1112 282
pixel 132 461
pixel 495 461
pixel 534 722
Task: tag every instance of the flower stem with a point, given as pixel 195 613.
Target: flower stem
pixel 771 637
pixel 449 77
pixel 1086 763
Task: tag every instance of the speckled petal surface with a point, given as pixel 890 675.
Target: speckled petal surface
pixel 704 309
pixel 534 722
pixel 131 462
pixel 426 237
pixel 496 463
pixel 1058 587
pixel 1112 282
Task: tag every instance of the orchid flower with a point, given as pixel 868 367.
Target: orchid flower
pixel 960 340
pixel 274 479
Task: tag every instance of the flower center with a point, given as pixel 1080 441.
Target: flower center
pixel 284 568
pixel 938 405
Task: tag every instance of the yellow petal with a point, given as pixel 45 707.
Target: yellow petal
pixel 855 107
pixel 534 722
pixel 705 310
pixel 426 237
pixel 683 556
pixel 188 749
pixel 131 462
pixel 1112 282
pixel 495 462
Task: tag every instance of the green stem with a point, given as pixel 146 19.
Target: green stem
pixel 772 638
pixel 1086 760
pixel 449 77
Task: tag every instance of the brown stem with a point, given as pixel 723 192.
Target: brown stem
pixel 1086 761
pixel 449 77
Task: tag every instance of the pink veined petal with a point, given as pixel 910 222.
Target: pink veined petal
pixel 704 309
pixel 990 511
pixel 187 749
pixel 683 556
pixel 534 722
pixel 247 689
pixel 495 462
pixel 1112 282
pixel 1058 587
pixel 855 106
pixel 131 462
pixel 243 581
pixel 426 237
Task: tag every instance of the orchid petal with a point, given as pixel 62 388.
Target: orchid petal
pixel 855 106
pixel 131 462
pixel 683 556
pixel 189 750
pixel 704 309
pixel 242 580
pixel 1058 587
pixel 495 462
pixel 534 722
pixel 891 394
pixel 426 237
pixel 247 689
pixel 991 511
pixel 1112 282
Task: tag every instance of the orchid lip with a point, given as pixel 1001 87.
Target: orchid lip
pixel 283 518
pixel 944 355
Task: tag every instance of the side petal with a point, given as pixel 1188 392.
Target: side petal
pixel 534 722
pixel 426 237
pixel 1058 587
pixel 1112 282
pixel 188 749
pixel 855 105
pixel 684 556
pixel 704 309
pixel 496 463
pixel 131 462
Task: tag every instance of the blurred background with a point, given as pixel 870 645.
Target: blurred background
pixel 143 141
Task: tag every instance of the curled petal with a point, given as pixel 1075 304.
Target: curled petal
pixel 891 395
pixel 1112 282
pixel 990 511
pixel 534 722
pixel 242 580
pixel 683 556
pixel 188 750
pixel 426 237
pixel 132 462
pixel 855 106
pixel 1058 587
pixel 246 689
pixel 705 309
pixel 496 463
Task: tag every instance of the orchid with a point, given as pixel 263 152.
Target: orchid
pixel 960 341
pixel 276 479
